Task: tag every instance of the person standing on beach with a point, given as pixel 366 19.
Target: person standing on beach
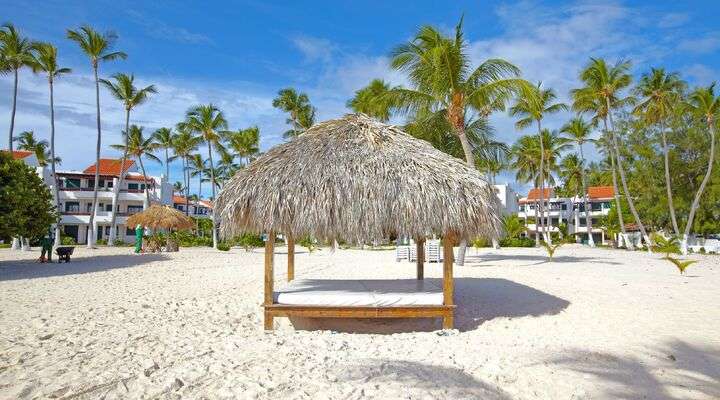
pixel 138 238
pixel 47 244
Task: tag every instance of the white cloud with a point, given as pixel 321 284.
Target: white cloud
pixel 701 74
pixel 160 30
pixel 313 48
pixel 673 20
pixel 702 45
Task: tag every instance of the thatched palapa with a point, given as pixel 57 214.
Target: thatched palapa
pixel 161 217
pixel 356 179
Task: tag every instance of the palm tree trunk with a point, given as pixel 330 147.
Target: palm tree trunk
pixel 212 186
pixel 12 113
pixel 541 210
pixel 470 160
pixel 91 227
pixel 116 191
pixel 618 205
pixel 588 218
pixel 56 190
pixel 186 178
pixel 698 195
pixel 668 184
pixel 623 179
pixel 147 186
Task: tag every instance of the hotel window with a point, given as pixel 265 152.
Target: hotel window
pixel 88 207
pixel 72 206
pixel 72 183
pixel 91 183
pixel 132 186
pixel 134 209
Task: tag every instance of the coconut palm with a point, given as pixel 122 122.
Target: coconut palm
pixel 163 140
pixel 373 100
pixel 244 142
pixel 97 47
pixel 178 187
pixel 578 131
pixel 605 146
pixel 571 172
pixel 302 113
pixel 27 141
pixel 123 89
pixel 197 167
pixel 531 107
pixel 600 96
pixel 45 60
pixel 184 143
pixel 226 167
pixel 16 52
pixel 660 93
pixel 208 121
pixel 704 104
pixel 442 83
pixel 138 146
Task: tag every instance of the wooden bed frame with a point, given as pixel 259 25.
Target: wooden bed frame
pixel 445 311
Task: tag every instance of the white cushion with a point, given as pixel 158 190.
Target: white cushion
pixel 369 293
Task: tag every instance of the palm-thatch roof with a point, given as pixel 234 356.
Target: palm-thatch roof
pixel 161 217
pixel 357 179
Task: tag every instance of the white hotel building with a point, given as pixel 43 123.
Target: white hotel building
pixel 569 211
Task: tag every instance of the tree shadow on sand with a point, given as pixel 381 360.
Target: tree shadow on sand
pixel 30 269
pixel 681 368
pixel 419 380
pixel 478 300
pixel 481 259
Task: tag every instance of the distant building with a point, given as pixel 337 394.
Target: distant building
pixel 508 198
pixel 200 208
pixel 569 211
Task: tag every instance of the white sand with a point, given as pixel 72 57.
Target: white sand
pixel 594 324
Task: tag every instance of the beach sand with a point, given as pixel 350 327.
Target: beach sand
pixel 593 324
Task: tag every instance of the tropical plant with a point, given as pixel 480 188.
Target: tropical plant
pixel 680 264
pixel 208 121
pixel 550 248
pixel 162 137
pixel 27 141
pixel 123 89
pixel 245 143
pixel 178 187
pixel 665 245
pixel 197 167
pixel 605 146
pixel 660 93
pixel 373 100
pixel 26 205
pixel 184 143
pixel 532 106
pixel 437 67
pixel 302 113
pixel 513 226
pixel 139 147
pixel 704 105
pixel 600 96
pixel 16 53
pixel 308 243
pixel 571 173
pixel 45 60
pixel 97 47
pixel 578 131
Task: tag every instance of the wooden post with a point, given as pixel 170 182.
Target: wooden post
pixel 291 257
pixel 448 287
pixel 269 278
pixel 420 243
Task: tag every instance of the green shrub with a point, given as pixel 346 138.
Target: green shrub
pixel 223 247
pixel 67 241
pixel 480 242
pixel 309 243
pixel 249 241
pixel 666 246
pixel 5 245
pixel 517 242
pixel 101 242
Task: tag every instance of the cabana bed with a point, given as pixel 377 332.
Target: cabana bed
pixel 339 180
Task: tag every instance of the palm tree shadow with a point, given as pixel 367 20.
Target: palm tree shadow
pixel 478 300
pixel 417 380
pixel 477 260
pixel 29 269
pixel 680 366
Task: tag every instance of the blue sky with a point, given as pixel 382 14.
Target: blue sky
pixel 238 56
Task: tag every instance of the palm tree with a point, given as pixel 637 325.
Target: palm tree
pixel 660 92
pixel 163 140
pixel 97 47
pixel 16 52
pixel 244 142
pixel 571 172
pixel 226 167
pixel 532 106
pixel 437 68
pixel 197 167
pixel 578 131
pixel 138 146
pixel 704 105
pixel 184 144
pixel 124 90
pixel 178 187
pixel 302 113
pixel 45 60
pixel 208 121
pixel 600 96
pixel 373 100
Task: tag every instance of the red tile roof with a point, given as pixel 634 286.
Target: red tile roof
pixel 109 166
pixel 534 193
pixel 139 178
pixel 20 154
pixel 179 199
pixel 601 192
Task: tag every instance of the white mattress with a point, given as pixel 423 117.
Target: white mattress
pixel 372 293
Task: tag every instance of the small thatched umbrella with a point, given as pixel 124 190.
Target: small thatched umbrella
pixel 162 217
pixel 356 179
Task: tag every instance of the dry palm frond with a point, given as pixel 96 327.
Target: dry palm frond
pixel 356 179
pixel 680 264
pixel 161 217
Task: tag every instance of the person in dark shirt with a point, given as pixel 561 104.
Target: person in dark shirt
pixel 47 244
